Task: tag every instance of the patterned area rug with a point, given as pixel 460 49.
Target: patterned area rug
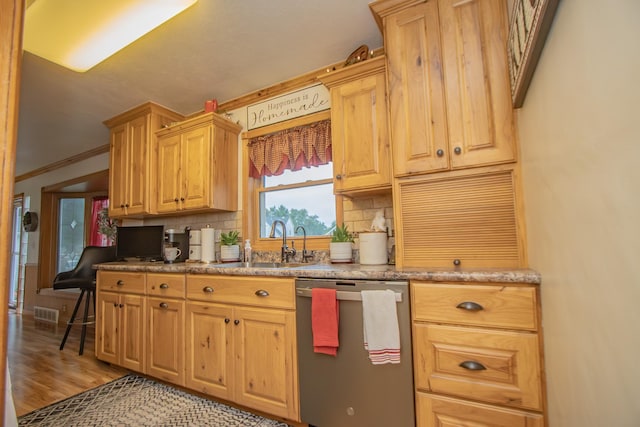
pixel 137 401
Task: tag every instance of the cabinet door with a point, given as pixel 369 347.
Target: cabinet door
pixel 132 327
pixel 209 367
pixel 169 174
pixel 137 184
pixel 266 367
pixel 118 170
pixel 479 110
pixel 196 164
pixel 107 338
pixel 416 91
pixel 360 136
pixel 165 350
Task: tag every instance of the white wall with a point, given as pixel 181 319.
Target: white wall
pixel 580 151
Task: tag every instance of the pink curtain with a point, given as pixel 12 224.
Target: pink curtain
pixel 290 149
pixel 99 207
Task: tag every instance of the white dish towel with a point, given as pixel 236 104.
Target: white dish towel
pixel 380 321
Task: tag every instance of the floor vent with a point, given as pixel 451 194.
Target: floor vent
pixel 48 315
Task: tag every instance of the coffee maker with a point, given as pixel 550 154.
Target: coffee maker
pixel 178 240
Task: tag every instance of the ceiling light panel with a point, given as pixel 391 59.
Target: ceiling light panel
pixel 80 34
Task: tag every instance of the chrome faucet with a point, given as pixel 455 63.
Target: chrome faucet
pixel 306 255
pixel 285 252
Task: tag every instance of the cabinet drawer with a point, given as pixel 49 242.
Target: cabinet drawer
pixel 167 285
pixel 440 411
pixel 494 366
pixel 249 290
pixel 510 307
pixel 117 281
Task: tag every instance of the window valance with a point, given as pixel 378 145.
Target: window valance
pixel 294 148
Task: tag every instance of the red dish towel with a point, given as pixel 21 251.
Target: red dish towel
pixel 324 321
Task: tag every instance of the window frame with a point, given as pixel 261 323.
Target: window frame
pixel 253 187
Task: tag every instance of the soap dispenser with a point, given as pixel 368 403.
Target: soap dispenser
pixel 247 250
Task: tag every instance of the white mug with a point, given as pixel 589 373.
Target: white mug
pixel 171 253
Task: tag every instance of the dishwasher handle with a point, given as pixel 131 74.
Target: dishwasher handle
pixel 341 295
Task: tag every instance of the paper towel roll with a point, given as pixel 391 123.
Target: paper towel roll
pixel 208 238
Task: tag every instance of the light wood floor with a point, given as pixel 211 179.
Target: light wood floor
pixel 41 374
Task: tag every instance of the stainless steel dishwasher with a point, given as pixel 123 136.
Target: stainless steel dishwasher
pixel 348 390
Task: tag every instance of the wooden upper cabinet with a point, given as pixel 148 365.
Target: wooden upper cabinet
pixel 131 138
pixel 359 129
pixel 196 165
pixel 449 92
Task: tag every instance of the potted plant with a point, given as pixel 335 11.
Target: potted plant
pixel 229 247
pixel 340 248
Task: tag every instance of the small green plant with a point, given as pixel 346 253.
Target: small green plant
pixel 341 234
pixel 229 239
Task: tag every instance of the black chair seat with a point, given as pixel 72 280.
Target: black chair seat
pixel 83 277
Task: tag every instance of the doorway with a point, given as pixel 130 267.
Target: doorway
pixel 16 280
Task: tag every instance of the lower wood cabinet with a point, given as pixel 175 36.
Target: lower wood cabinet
pixel 241 343
pixel 434 410
pixel 231 337
pixel 165 348
pixel 120 320
pixel 477 354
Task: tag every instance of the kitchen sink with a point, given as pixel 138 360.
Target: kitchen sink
pixel 263 265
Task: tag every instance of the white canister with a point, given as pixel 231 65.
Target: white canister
pixel 195 252
pixel 373 247
pixel 195 237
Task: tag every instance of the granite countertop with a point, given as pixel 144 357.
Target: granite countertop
pixel 335 271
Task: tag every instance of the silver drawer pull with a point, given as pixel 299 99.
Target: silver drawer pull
pixel 472 366
pixel 164 286
pixel 120 282
pixel 207 289
pixel 262 293
pixel 164 305
pixel 470 306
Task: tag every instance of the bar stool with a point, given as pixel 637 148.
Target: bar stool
pixel 83 277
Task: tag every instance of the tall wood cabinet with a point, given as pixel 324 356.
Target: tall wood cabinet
pixel 196 165
pixel 449 91
pixel 477 354
pixel 131 139
pixel 359 128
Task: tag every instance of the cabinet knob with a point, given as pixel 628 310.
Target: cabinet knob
pixel 236 322
pixel 262 293
pixel 120 283
pixel 121 305
pixel 164 305
pixel 226 320
pixel 122 205
pixel 115 304
pixel 182 199
pixel 207 289
pixel 164 286
pixel 470 365
pixel 176 200
pixel 456 262
pixel 440 152
pixel 457 150
pixel 338 176
pixel 470 306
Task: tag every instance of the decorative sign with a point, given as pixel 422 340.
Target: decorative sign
pixel 295 104
pixel 530 23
